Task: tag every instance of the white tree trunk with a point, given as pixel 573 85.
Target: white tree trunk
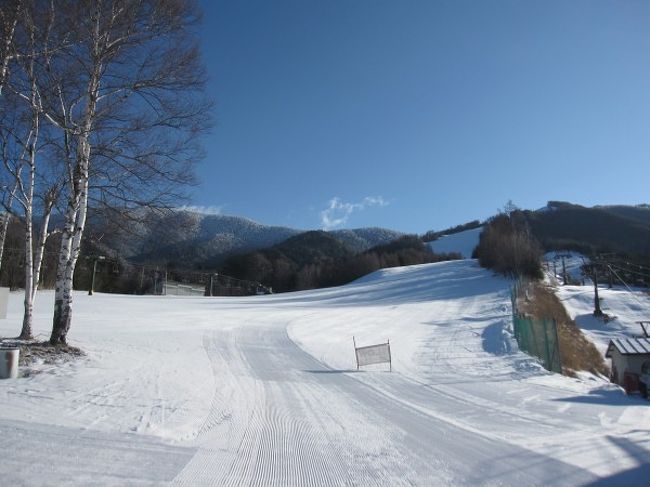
pixel 62 291
pixel 40 247
pixel 6 57
pixel 28 203
pixel 69 253
pixel 26 332
pixel 5 226
pixel 78 205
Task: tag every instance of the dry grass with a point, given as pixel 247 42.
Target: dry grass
pixel 32 351
pixel 577 353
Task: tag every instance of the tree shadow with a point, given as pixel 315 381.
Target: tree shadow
pixel 610 397
pixel 638 475
pixel 332 371
pixel 495 340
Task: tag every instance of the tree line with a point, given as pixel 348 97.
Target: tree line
pixel 508 246
pixel 316 259
pixel 102 105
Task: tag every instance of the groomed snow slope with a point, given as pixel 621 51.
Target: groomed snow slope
pixel 215 391
pixel 462 242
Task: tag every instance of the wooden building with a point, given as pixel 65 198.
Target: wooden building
pixel 630 363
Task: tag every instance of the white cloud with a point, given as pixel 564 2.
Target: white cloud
pixel 203 210
pixel 338 212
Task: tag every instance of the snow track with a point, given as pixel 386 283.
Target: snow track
pixel 306 424
pixel 80 457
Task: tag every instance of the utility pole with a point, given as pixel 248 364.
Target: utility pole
pixel 210 292
pixel 142 280
pixel 611 277
pixel 563 272
pixel 597 310
pixel 92 281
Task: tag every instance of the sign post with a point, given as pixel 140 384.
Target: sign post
pixel 373 354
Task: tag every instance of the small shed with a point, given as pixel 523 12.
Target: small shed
pixel 630 360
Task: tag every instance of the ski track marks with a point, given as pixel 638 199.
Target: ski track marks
pixel 279 417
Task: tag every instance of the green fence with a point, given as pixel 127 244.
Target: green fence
pixel 536 337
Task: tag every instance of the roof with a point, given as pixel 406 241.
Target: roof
pixel 629 346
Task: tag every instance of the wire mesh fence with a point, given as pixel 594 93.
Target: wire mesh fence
pixel 112 276
pixel 537 337
pixel 106 274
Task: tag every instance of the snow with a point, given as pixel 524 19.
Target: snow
pixel 573 262
pixel 264 390
pixel 462 242
pixel 623 307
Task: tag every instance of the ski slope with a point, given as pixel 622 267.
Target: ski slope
pixel 462 242
pixel 264 391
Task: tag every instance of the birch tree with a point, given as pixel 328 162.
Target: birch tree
pixel 8 21
pixel 114 90
pixel 130 105
pixel 21 133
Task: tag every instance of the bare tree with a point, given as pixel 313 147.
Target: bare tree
pixel 8 194
pixel 21 133
pixel 110 93
pixel 8 21
pixel 129 102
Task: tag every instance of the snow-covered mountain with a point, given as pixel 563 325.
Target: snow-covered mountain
pixel 188 237
pixel 361 239
pixel 191 237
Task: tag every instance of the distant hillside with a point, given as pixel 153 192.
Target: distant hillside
pixel 361 239
pixel 640 213
pixel 621 229
pixel 189 239
pixel 319 259
pixel 278 266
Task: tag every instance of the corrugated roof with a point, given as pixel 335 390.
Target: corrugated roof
pixel 630 346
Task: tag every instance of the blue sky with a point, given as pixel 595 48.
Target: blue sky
pixel 419 115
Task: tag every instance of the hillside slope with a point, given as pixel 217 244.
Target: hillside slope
pixel 599 229
pixel 188 238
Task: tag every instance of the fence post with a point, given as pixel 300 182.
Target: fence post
pixel 549 363
pixel 557 347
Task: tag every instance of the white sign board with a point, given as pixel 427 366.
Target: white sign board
pixel 4 299
pixel 373 354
